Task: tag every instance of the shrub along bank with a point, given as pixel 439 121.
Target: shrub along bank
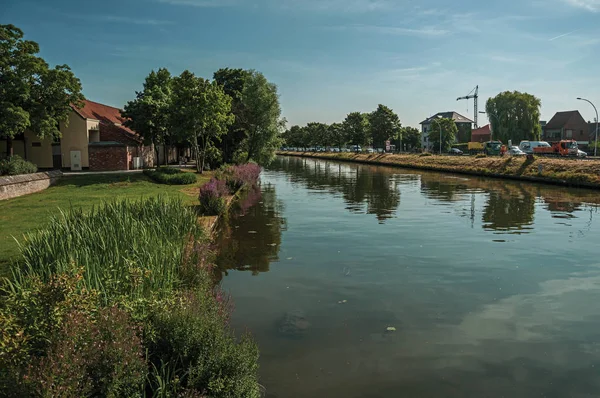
pixel 549 170
pixel 170 176
pixel 16 165
pixel 120 302
pixel 227 181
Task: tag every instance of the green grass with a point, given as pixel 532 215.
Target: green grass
pixel 31 212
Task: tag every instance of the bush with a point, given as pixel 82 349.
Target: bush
pixel 425 154
pixel 100 357
pixel 171 176
pixel 237 176
pixel 212 197
pixel 480 155
pixel 193 346
pixel 16 165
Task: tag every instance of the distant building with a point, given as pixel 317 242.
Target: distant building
pixel 482 134
pixel 569 125
pixel 463 123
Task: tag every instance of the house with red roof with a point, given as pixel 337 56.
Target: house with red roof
pixel 482 134
pixel 95 138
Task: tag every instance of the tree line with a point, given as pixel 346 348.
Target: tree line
pixel 235 117
pixel 363 129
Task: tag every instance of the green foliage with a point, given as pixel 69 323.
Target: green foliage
pixel 317 134
pixel 336 135
pixel 384 124
pixel 449 131
pixel 356 128
pixel 206 356
pixel 233 82
pixel 171 176
pixel 411 137
pixel 200 113
pixel 15 165
pixel 425 154
pixel 32 95
pixel 148 113
pixel 480 155
pixel 514 116
pixel 127 248
pixel 94 355
pixel 261 118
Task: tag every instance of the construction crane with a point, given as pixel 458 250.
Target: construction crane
pixel 473 94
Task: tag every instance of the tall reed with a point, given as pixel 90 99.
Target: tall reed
pixel 132 248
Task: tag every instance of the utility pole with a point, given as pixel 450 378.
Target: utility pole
pixel 596 141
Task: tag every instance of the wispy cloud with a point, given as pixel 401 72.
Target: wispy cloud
pixel 309 5
pixel 591 5
pixel 426 31
pixel 563 35
pixel 134 21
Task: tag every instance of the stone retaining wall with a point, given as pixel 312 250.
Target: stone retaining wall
pixel 13 186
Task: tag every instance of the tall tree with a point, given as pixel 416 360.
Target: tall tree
pixel 32 95
pixel 449 131
pixel 233 82
pixel 148 113
pixel 200 113
pixel 384 124
pixel 317 133
pixel 337 135
pixel 514 116
pixel 356 128
pixel 411 137
pixel 262 118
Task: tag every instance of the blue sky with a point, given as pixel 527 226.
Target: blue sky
pixel 331 57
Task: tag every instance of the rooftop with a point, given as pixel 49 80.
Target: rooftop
pixel 107 116
pixel 457 117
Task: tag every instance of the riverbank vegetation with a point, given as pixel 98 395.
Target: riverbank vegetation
pixel 120 301
pixel 563 171
pixel 170 176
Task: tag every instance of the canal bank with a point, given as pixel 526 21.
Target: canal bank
pixel 564 172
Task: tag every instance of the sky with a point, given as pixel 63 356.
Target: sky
pixel 332 57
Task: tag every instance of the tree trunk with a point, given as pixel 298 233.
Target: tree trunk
pixel 157 154
pixel 9 147
pixel 199 167
pixel 165 152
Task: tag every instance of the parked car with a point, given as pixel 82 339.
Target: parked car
pixel 581 154
pixel 529 146
pixel 369 150
pixel 455 151
pixel 515 151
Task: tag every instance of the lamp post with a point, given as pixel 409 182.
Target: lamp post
pixel 596 140
pixel 497 120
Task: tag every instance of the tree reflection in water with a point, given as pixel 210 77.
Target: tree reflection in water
pixel 253 244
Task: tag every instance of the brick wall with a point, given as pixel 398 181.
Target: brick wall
pixel 13 186
pixel 109 157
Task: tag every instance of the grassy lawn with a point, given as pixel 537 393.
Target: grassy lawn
pixel 30 212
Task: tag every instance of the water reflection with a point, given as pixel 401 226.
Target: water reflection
pixel 251 239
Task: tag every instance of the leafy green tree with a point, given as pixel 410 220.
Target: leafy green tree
pixel 317 133
pixel 261 117
pixel 200 113
pixel 233 82
pixel 449 131
pixel 411 137
pixel 148 113
pixel 336 135
pixel 514 116
pixel 32 95
pixel 356 128
pixel 384 124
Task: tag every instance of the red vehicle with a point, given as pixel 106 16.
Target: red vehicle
pixel 559 148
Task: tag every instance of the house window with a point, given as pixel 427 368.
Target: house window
pixel 569 134
pixel 38 144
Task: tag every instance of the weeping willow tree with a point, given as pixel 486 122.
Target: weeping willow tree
pixel 514 116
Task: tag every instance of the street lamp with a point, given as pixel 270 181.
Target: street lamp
pixel 596 141
pixel 498 120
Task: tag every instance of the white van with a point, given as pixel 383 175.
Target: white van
pixel 527 146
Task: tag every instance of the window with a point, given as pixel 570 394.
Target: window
pixel 37 144
pixel 569 134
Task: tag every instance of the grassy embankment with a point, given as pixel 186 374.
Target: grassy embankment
pixel 30 212
pixel 120 301
pixel 548 170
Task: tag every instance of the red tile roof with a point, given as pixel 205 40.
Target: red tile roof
pixel 107 116
pixel 485 130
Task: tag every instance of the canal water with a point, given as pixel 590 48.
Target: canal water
pixel 366 281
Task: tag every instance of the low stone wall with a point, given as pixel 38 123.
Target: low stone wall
pixel 14 186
